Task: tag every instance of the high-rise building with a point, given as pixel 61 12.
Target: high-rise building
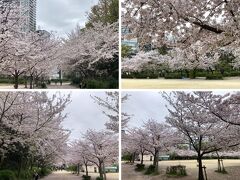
pixel 30 14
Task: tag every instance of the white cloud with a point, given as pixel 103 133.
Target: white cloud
pixel 62 16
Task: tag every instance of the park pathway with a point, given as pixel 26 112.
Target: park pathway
pixel 52 86
pixel 61 175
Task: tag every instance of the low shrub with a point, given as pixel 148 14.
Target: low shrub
pixel 140 167
pixel 7 175
pixel 44 172
pixel 173 76
pixel 150 170
pixel 176 170
pixel 86 177
pixel 214 76
pixel 43 85
pixel 101 84
pixel 99 178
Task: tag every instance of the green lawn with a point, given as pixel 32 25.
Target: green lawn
pixel 227 83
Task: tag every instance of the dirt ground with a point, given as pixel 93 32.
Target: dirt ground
pixel 232 167
pixel 64 175
pixel 227 83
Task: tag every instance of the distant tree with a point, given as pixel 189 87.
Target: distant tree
pixel 126 50
pixel 106 11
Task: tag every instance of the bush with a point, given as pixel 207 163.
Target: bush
pixel 99 178
pixel 150 170
pixel 101 84
pixel 127 157
pixel 140 167
pixel 214 76
pixel 27 174
pixel 44 172
pixel 176 170
pixel 86 177
pixel 173 76
pixel 7 175
pixel 43 85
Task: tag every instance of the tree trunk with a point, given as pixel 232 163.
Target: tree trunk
pixel 86 169
pixel 219 164
pixel 200 168
pixel 25 81
pixel 104 172
pixel 31 81
pixel 156 159
pixel 16 75
pixel 19 168
pixel 78 169
pixel 133 157
pixel 142 158
pixel 1 160
pixel 100 170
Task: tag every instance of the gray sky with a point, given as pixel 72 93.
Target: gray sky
pixel 83 113
pixel 62 15
pixel 143 105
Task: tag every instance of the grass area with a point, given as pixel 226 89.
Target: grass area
pixel 200 83
pixel 232 167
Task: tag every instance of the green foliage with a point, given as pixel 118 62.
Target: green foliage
pixel 84 177
pixel 142 75
pixel 140 167
pixel 214 76
pixel 43 85
pixel 44 171
pixel 150 170
pixel 163 50
pixel 101 84
pixel 72 168
pixel 176 170
pixel 127 157
pixel 7 175
pixel 106 11
pixel 175 75
pixel 99 178
pixel 126 51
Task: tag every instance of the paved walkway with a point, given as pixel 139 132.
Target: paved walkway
pixel 227 83
pixel 52 86
pixel 61 175
pixel 64 175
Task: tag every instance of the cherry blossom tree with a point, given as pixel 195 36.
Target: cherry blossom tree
pixel 80 155
pixel 22 52
pixel 196 56
pixel 142 60
pixel 183 24
pixel 186 21
pixel 111 106
pixel 103 149
pixel 130 144
pixel 87 50
pixel 33 120
pixel 153 137
pixel 158 137
pixel 204 130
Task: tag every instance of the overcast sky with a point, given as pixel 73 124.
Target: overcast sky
pixel 84 113
pixel 143 105
pixel 62 15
